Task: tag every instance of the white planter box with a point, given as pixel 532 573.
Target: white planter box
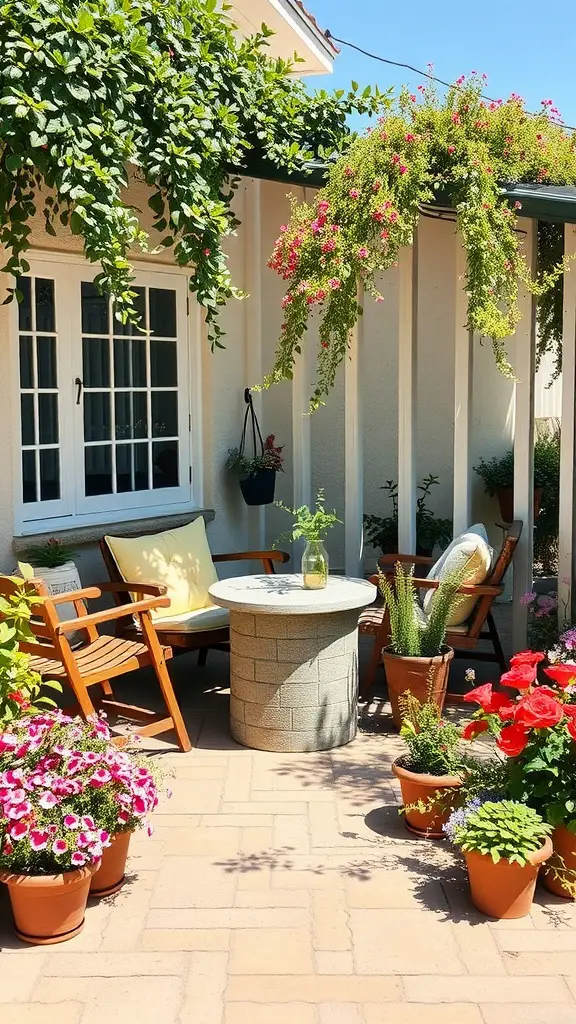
pixel 60 581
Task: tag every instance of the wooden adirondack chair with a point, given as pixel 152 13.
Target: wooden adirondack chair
pixel 465 638
pixel 102 658
pixel 201 640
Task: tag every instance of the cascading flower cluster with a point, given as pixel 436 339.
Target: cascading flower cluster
pixel 65 790
pixel 462 147
pixel 537 731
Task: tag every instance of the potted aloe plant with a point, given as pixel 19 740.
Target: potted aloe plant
pixel 504 843
pixel 417 658
pixel 53 563
pixel 312 525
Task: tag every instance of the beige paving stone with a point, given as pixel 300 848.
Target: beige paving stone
pixel 563 963
pixel 469 989
pixel 282 807
pixel 202 797
pixel 418 1013
pixel 195 882
pixel 238 781
pixel 333 962
pixel 273 898
pixel 478 948
pixel 537 941
pixel 234 917
pixel 32 1013
pixel 185 939
pixel 554 916
pixel 18 977
pixel 204 992
pixel 69 989
pixel 340 1013
pixel 111 965
pixel 140 999
pixel 254 875
pixel 313 874
pixel 572 985
pixel 276 796
pixel 526 1013
pixel 391 889
pixel 255 840
pixel 330 925
pixel 314 989
pixel 402 942
pixel 247 820
pixel 292 832
pixel 324 830
pixel 254 1013
pixel 171 821
pixel 200 772
pixel 271 951
pixel 126 923
pixel 203 842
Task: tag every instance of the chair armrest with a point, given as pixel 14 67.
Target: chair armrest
pixel 471 589
pixel 154 589
pixel 386 560
pixel 245 556
pixel 110 614
pixel 75 595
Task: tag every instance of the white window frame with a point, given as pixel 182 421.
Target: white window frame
pixel 73 509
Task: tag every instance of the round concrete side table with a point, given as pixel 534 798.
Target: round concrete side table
pixel 293 660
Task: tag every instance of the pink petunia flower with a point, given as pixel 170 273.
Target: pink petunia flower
pixel 38 839
pixel 78 859
pixel 71 821
pixel 354 193
pixel 59 846
pixel 19 830
pixel 48 800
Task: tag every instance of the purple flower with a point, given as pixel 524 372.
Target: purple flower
pixel 528 598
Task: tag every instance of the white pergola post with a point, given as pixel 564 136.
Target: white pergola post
pixel 407 385
pixel 253 326
pixel 463 363
pixel 524 446
pixel 301 449
pixel 353 453
pixel 567 519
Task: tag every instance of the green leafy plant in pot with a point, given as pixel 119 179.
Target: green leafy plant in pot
pixel 430 530
pixel 417 658
pixel 256 473
pixel 53 563
pixel 312 525
pixel 497 475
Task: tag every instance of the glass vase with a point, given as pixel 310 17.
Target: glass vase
pixel 315 565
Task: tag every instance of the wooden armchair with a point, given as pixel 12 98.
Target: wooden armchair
pixel 201 640
pixel 102 657
pixel 465 638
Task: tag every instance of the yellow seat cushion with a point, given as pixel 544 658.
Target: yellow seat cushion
pixel 180 559
pixel 470 552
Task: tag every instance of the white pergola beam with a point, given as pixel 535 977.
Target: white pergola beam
pixel 566 540
pixel 524 445
pixel 353 452
pixel 463 390
pixel 407 385
pixel 301 440
pixel 253 328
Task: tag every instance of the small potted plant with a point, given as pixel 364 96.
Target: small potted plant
pixel 21 689
pixel 497 475
pixel 257 475
pixel 382 533
pixel 430 773
pixel 417 658
pixel 536 730
pixel 53 563
pixel 313 527
pixel 504 845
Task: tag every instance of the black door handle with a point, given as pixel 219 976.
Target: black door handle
pixel 79 385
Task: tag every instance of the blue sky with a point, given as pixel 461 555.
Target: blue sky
pixel 525 47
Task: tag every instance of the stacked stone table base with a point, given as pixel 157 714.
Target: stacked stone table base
pixel 293 680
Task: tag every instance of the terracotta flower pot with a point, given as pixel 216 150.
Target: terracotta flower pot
pixel 417 787
pixel 504 890
pixel 564 843
pixel 505 497
pixel 413 674
pixel 49 908
pixel 110 876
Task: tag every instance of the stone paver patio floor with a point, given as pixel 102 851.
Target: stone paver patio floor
pixel 283 889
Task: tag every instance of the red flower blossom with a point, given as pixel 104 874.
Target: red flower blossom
pixel 527 658
pixel 520 677
pixel 482 695
pixel 564 675
pixel 539 711
pixel 512 740
pixel 474 729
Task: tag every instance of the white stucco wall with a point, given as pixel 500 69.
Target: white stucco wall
pixel 226 373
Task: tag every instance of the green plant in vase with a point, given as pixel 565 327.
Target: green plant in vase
pixel 312 525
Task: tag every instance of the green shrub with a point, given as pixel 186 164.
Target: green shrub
pixel 503 830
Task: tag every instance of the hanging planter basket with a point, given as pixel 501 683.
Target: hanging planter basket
pixel 257 478
pixel 259 487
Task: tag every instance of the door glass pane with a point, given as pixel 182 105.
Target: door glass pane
pixel 98 469
pixel 26 367
pixel 131 467
pixel 46 356
pixel 96 362
pixel 94 310
pixel 163 312
pixel 133 330
pixel 49 474
pixel 45 313
pixel 48 418
pixel 163 371
pixel 164 413
pixel 165 464
pixel 24 285
pixel 27 418
pixel 97 421
pixel 131 414
pixel 130 362
pixel 28 477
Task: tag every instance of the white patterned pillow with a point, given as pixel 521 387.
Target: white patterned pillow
pixel 470 551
